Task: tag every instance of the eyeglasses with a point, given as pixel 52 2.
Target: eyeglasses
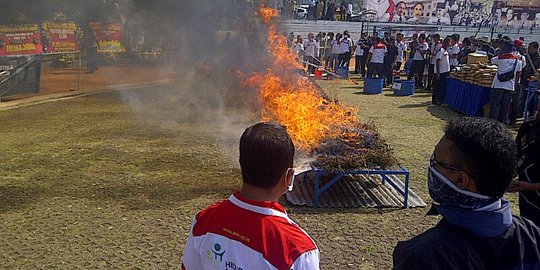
pixel 433 162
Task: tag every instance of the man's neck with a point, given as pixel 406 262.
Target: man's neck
pixel 258 194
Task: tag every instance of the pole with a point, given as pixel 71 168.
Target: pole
pixel 79 72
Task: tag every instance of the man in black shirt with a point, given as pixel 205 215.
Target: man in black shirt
pixel 528 186
pixel 469 171
pixel 390 61
pixel 526 74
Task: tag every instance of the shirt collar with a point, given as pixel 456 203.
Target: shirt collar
pixel 265 204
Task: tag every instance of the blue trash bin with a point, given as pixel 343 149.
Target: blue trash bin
pixel 343 72
pixel 373 86
pixel 406 89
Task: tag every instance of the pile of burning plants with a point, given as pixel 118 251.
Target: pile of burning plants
pixel 324 128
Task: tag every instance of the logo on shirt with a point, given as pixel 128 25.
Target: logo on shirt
pixel 215 255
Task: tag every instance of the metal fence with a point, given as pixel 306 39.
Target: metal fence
pixel 22 75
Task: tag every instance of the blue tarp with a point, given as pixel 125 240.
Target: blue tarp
pixel 466 98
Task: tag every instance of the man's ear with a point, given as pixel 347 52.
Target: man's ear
pixel 289 176
pixel 465 182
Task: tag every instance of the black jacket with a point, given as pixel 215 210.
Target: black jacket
pixel 446 246
pixel 528 70
pixel 391 55
pixel 528 148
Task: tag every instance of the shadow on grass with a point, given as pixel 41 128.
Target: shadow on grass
pixel 443 113
pixel 138 197
pixel 416 105
pixel 422 95
pixel 13 198
pixel 305 210
pixel 363 94
pixel 154 196
pixel 398 96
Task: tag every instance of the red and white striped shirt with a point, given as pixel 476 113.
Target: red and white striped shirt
pixel 239 233
pixel 378 52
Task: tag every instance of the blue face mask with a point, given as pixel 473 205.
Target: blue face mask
pixel 445 192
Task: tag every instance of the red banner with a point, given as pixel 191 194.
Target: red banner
pixel 20 39
pixel 108 37
pixel 60 37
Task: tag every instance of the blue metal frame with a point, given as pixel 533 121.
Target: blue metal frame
pixel 384 174
pixel 531 90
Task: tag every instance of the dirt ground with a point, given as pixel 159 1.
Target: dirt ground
pixel 58 80
pixel 90 183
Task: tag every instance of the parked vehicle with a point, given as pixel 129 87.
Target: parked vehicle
pixel 364 16
pixel 301 12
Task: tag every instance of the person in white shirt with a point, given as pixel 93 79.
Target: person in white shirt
pixel 402 51
pixel 311 49
pixel 420 49
pixel 521 51
pixel 251 230
pixel 328 51
pixel 358 54
pixel 502 91
pixel 453 52
pixel 435 47
pixel 376 55
pixel 442 71
pixel 336 50
pixel 349 11
pixel 345 50
pixel 298 47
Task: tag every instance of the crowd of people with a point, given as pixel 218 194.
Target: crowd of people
pixel 428 60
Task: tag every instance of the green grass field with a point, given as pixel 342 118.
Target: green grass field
pixel 92 182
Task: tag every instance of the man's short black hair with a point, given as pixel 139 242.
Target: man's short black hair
pixel 485 149
pixel 266 152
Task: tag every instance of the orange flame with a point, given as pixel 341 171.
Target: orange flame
pixel 293 100
pixel 268 14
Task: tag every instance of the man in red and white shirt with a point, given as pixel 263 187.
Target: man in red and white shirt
pixel 502 92
pixel 251 230
pixel 376 55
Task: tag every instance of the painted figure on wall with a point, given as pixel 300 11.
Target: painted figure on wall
pixel 401 11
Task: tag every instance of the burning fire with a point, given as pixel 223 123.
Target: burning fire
pixel 295 102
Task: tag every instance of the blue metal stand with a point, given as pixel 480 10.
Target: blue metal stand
pixel 531 90
pixel 384 175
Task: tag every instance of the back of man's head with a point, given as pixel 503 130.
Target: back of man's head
pixel 486 149
pixel 266 152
